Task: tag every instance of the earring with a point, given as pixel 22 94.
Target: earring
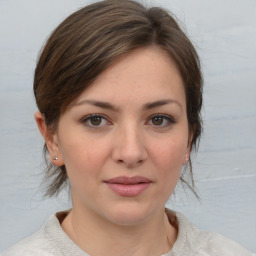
pixel 187 157
pixel 55 158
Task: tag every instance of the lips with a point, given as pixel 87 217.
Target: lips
pixel 128 186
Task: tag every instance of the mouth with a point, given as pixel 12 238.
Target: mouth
pixel 128 186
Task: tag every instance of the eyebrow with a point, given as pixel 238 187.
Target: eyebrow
pixel 159 103
pixel 100 104
pixel 147 106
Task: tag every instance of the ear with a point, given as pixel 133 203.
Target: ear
pixel 188 151
pixel 186 157
pixel 51 140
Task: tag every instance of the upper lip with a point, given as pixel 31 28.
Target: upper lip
pixel 128 180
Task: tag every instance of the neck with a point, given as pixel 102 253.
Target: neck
pixel 154 237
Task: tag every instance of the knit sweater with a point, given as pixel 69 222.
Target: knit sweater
pixel 51 240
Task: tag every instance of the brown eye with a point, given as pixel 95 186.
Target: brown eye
pixel 96 120
pixel 157 120
pixel 161 121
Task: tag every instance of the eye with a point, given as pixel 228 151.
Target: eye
pixel 161 121
pixel 157 120
pixel 95 121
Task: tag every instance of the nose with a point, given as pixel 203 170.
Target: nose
pixel 129 147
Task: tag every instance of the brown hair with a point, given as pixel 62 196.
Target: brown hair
pixel 88 41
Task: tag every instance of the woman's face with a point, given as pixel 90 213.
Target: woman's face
pixel 125 139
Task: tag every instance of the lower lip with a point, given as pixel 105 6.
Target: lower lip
pixel 128 189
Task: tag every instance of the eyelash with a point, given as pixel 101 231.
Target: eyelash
pixel 169 120
pixel 88 118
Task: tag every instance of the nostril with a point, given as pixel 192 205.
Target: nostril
pixel 129 149
pixel 130 162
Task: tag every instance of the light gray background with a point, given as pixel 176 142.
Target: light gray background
pixel 224 32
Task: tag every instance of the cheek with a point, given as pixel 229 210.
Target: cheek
pixel 83 156
pixel 168 164
pixel 168 159
pixel 170 153
pixel 84 164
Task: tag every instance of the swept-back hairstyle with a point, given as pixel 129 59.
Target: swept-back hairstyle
pixel 88 41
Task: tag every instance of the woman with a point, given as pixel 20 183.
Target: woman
pixel 119 93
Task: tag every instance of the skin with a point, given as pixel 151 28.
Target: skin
pixel 126 140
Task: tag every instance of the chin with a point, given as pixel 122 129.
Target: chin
pixel 129 215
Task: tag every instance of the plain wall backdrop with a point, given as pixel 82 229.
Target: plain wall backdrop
pixel 224 33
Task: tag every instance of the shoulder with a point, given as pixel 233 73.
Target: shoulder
pixel 216 244
pixel 38 244
pixel 50 240
pixel 31 246
pixel 195 242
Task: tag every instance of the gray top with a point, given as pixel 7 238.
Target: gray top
pixel 51 240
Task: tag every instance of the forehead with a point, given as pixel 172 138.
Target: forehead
pixel 143 74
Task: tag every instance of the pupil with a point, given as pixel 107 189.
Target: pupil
pixel 96 120
pixel 157 120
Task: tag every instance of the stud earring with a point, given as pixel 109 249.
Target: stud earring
pixel 187 157
pixel 55 158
